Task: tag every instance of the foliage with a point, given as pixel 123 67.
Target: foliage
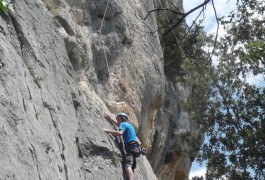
pixel 254 56
pixel 3 6
pixel 235 114
pixel 199 71
pixel 116 158
pixel 246 35
pixel 173 49
pixel 235 120
pixel 188 63
pixel 231 110
pixel 183 54
pixel 37 78
pixel 2 65
pixel 197 178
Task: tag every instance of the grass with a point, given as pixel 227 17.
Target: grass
pixel 37 79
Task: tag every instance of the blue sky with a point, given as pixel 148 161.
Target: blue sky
pixel 223 7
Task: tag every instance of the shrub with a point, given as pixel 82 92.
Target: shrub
pixel 3 5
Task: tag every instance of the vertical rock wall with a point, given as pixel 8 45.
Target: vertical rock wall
pixel 66 64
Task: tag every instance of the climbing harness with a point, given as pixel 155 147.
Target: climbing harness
pixel 134 148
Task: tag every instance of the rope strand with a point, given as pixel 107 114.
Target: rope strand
pixel 100 36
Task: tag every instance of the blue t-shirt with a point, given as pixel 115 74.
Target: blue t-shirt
pixel 128 132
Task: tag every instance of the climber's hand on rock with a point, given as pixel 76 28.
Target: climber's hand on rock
pixel 107 117
pixel 106 130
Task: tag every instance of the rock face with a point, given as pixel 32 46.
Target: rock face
pixel 66 64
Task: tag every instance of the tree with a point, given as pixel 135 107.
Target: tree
pixel 197 178
pixel 235 124
pixel 230 110
pixel 235 115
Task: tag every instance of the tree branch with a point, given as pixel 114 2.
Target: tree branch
pixel 185 15
pixel 217 29
pixel 162 9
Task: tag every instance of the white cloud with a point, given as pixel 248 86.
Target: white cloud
pixel 198 172
pixel 258 80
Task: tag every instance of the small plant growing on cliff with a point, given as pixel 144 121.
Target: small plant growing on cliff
pixel 127 40
pixel 37 114
pixel 2 65
pixel 3 5
pixel 116 158
pixel 37 78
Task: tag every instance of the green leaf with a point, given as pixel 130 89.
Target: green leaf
pixel 3 8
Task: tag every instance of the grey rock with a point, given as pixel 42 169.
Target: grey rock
pixel 66 65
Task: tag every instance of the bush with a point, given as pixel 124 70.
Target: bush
pixel 3 5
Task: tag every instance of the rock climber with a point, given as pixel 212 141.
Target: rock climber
pixel 131 142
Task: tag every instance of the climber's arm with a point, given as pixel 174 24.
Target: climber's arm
pixel 114 133
pixel 107 117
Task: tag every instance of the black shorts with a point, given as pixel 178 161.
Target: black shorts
pixel 129 160
pixel 133 151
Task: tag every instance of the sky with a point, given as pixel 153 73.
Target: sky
pixel 223 8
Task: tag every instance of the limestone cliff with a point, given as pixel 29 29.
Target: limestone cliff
pixel 67 63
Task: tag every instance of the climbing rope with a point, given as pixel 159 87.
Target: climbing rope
pixel 100 35
pixel 101 41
